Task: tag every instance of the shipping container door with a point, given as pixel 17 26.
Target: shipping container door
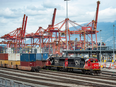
pixel 24 57
pixel 32 57
pixel 38 56
pixel 17 56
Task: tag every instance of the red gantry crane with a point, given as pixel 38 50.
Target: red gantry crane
pixel 16 37
pixel 54 38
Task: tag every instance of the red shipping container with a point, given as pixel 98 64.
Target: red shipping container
pixel 22 63
pixel 34 64
pixel 3 56
pixel 40 63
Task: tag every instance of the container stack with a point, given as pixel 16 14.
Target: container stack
pixel 3 58
pixel 33 59
pixel 13 60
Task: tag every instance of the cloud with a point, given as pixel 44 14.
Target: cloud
pixel 107 15
pixel 50 4
pixel 109 39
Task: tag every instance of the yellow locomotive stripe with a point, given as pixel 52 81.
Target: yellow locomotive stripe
pixel 73 67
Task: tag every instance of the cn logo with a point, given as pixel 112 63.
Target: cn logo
pixel 56 61
pixel 77 62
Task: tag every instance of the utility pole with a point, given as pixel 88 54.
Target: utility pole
pixel 113 42
pixel 100 46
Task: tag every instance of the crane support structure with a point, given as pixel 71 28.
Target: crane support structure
pixel 56 37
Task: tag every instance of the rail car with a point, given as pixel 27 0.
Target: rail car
pixel 86 65
pixel 23 61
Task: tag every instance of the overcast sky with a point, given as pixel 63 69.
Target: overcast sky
pixel 40 12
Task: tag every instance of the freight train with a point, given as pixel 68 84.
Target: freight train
pixel 35 61
pixel 86 65
pixel 23 61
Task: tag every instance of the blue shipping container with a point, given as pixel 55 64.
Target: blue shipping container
pixel 45 56
pixel 32 57
pixel 28 57
pixel 38 56
pixel 24 57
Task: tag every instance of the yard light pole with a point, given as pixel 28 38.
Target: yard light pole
pixel 74 39
pixel 67 20
pixel 66 8
pixel 113 42
pixel 100 46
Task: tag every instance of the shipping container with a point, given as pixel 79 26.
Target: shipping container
pixel 13 62
pixel 3 56
pixel 24 57
pixel 14 56
pixel 32 57
pixel 45 56
pixel 28 57
pixel 3 62
pixel 22 63
pixel 38 56
pixel 41 63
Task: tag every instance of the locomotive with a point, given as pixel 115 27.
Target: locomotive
pixel 86 65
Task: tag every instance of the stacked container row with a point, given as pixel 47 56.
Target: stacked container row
pixel 3 58
pixel 23 59
pixel 14 59
pixel 33 59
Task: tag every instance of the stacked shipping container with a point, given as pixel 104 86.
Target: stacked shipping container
pixel 13 59
pixel 24 61
pixel 3 59
pixel 33 59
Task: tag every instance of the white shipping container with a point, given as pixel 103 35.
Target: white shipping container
pixel 14 56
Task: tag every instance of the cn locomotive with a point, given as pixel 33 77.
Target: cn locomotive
pixel 86 65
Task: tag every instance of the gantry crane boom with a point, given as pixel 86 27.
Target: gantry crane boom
pixel 96 18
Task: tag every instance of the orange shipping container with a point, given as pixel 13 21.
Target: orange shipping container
pixel 13 62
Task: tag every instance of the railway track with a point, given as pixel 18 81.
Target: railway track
pixel 56 78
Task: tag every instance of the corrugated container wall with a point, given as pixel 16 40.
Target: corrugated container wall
pixel 38 56
pixel 14 56
pixel 28 57
pixel 32 57
pixel 24 57
pixel 3 56
pixel 27 63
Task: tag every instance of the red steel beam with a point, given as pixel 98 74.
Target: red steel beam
pixel 98 2
pixel 53 19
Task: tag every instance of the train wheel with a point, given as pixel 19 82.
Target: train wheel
pixel 16 66
pixel 58 69
pixel 65 69
pixel 83 71
pixel 37 69
pixel 33 69
pixel 48 67
pixel 5 66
